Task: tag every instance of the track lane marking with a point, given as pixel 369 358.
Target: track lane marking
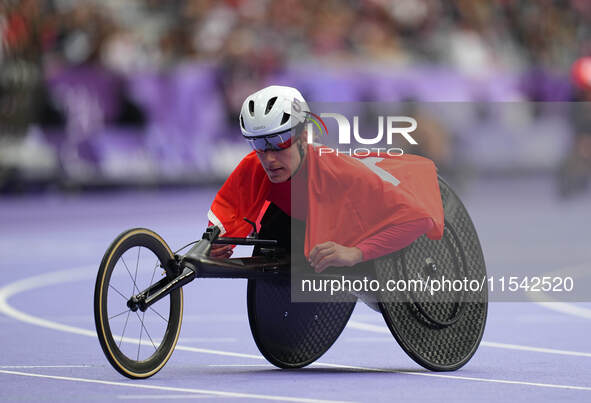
pixel 384 330
pixel 544 299
pixel 42 366
pixel 169 388
pixel 83 273
pixel 564 307
pixel 241 365
pixel 165 397
pixel 467 378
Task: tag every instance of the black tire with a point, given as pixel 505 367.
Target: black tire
pixel 109 295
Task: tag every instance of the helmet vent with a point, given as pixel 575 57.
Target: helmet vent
pixel 285 118
pixel 270 104
pixel 251 108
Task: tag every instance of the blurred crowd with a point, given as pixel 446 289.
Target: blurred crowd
pixel 248 41
pixel 472 35
pixel 251 39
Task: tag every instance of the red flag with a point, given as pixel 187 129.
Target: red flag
pixel 349 199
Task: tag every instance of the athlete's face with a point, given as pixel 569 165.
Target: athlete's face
pixel 280 165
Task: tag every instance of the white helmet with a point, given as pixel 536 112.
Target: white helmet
pixel 272 110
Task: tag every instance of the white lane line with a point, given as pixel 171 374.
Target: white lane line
pixel 43 280
pixel 42 366
pixel 73 275
pixel 534 349
pixel 165 397
pixel 466 378
pixel 506 346
pixel 241 365
pixel 170 388
pixel 208 339
pixel 76 274
pixel 369 339
pixel 545 300
pixel 569 309
pixel 368 327
pixel 436 375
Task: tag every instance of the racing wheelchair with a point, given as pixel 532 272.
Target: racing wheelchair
pixel 439 331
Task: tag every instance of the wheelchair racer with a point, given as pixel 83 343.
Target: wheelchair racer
pixel 351 214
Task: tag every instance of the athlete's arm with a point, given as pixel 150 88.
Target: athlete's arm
pixel 394 238
pixel 391 239
pixel 333 254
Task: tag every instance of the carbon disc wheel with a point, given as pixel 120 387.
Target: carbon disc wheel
pixel 440 331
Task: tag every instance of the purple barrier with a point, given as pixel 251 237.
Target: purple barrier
pixel 89 95
pixel 187 119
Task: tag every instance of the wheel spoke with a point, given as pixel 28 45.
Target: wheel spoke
pixel 139 345
pixel 124 327
pixel 151 282
pixel 118 292
pixel 141 332
pixel 119 314
pixel 144 328
pixel 137 263
pixel 130 276
pixel 157 313
pixel 152 279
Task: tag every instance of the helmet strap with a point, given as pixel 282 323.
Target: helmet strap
pixel 302 154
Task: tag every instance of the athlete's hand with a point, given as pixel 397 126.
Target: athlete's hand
pixel 330 253
pixel 221 251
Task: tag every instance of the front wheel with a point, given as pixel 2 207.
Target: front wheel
pixel 137 344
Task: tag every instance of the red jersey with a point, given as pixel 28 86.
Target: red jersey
pixel 348 199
